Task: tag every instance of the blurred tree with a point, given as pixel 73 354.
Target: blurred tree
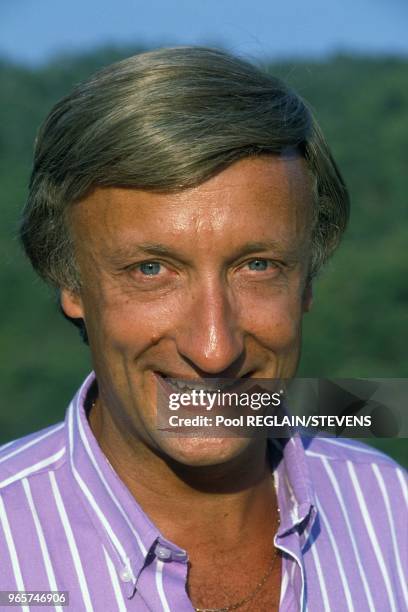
pixel 358 325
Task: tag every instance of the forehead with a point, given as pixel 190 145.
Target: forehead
pixel 268 197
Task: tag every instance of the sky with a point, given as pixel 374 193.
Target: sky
pixel 33 31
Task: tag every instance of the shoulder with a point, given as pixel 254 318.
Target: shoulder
pixel 31 455
pixel 344 449
pixel 352 455
pixel 356 472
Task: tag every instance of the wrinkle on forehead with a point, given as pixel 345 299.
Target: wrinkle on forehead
pixel 270 193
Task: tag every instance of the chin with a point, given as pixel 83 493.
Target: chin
pixel 201 452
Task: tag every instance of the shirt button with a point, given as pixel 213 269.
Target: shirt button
pixel 125 574
pixel 180 556
pixel 163 553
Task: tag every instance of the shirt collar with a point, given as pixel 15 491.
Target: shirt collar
pixel 125 530
pixel 294 486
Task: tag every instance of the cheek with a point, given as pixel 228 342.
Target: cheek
pixel 124 324
pixel 276 321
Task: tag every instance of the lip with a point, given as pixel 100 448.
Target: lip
pixel 212 384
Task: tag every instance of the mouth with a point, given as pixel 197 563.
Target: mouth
pixel 180 384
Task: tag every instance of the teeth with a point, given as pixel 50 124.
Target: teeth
pixel 182 385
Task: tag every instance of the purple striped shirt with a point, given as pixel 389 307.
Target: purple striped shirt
pixel 68 523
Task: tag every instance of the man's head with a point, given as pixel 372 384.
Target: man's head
pixel 182 201
pixel 165 121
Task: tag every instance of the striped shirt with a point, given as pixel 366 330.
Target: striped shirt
pixel 68 523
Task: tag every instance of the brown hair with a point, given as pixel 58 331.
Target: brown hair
pixel 167 120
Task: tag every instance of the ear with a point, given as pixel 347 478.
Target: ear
pixel 71 304
pixel 307 297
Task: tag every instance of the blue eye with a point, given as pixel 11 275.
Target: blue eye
pixel 150 268
pixel 258 265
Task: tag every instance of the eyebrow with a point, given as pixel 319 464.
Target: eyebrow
pixel 268 245
pixel 123 253
pixel 161 250
pixel 149 248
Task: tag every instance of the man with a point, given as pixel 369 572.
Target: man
pixel 182 202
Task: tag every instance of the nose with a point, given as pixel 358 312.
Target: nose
pixel 209 336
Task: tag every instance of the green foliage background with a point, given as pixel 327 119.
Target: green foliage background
pixel 358 326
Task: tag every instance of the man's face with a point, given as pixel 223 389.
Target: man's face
pixel 209 281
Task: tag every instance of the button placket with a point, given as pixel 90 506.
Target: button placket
pixel 125 574
pixel 163 553
pixel 168 553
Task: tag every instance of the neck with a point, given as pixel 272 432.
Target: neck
pixel 209 502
